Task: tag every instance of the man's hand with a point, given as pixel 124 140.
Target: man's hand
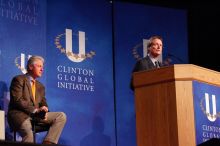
pixel 44 108
pixel 40 113
pixel 43 112
pixel 45 117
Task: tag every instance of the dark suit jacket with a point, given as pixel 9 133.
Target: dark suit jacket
pixel 21 103
pixel 141 65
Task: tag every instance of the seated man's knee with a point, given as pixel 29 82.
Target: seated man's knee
pixel 62 116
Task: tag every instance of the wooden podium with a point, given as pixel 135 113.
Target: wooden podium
pixel 164 104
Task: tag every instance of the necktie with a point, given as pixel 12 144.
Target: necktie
pixel 157 64
pixel 33 88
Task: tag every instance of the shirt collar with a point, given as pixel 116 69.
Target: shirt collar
pixel 30 78
pixel 152 58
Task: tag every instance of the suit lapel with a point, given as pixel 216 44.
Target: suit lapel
pixel 150 63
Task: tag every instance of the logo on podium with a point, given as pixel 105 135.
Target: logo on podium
pixel 206 110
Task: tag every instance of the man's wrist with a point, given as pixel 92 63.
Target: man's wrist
pixel 35 111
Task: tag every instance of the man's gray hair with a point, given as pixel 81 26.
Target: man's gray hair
pixel 150 43
pixel 153 38
pixel 32 60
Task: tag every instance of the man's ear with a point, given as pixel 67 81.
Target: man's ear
pixel 149 49
pixel 31 67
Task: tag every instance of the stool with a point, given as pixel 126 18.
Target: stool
pixel 36 128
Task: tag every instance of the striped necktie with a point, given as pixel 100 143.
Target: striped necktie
pixel 157 64
pixel 33 88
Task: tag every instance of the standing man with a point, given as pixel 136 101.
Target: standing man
pixel 27 97
pixel 154 49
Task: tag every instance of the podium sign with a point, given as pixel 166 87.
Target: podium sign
pixel 207 111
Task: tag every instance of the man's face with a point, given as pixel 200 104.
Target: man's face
pixel 36 69
pixel 156 47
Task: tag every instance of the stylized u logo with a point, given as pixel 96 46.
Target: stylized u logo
pixel 212 117
pixel 81 46
pixel 21 66
pixel 68 50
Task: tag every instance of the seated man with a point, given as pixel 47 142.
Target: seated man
pixel 27 97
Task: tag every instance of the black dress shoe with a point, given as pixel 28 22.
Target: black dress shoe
pixel 48 142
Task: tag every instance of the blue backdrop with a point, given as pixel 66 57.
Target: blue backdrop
pixel 133 23
pixel 83 90
pixel 22 33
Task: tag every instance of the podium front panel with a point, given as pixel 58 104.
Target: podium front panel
pixel 207 111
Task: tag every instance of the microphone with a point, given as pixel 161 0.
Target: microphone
pixel 177 58
pixel 170 58
pixel 167 61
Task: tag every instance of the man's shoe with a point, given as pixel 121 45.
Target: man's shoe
pixel 48 142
